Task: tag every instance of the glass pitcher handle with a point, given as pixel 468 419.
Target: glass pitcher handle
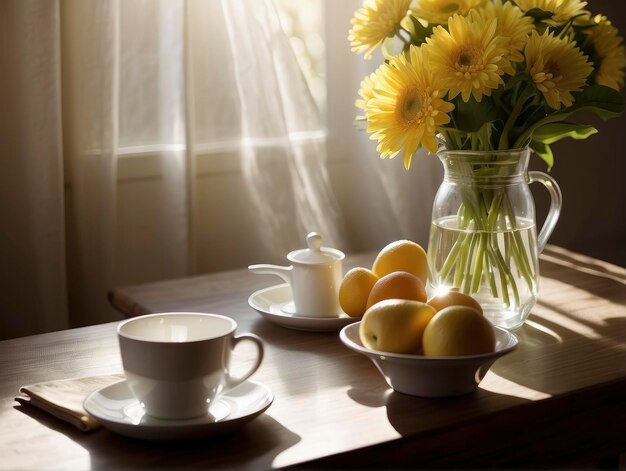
pixel 555 206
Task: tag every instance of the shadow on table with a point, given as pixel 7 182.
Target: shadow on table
pixel 538 363
pixel 551 329
pixel 594 276
pixel 436 432
pixel 558 256
pixel 332 364
pixel 255 445
pixel 409 414
pixel 291 339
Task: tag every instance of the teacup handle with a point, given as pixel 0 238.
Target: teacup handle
pixel 555 206
pixel 231 382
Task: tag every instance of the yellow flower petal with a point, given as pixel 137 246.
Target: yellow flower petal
pixel 438 11
pixel 562 10
pixel 513 27
pixel 468 56
pixel 609 52
pixel 375 21
pixel 405 109
pixel 557 68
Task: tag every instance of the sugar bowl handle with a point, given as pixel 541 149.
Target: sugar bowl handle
pixel 267 269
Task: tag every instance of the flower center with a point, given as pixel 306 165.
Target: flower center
pixel 467 63
pixel 555 70
pixel 465 58
pixel 412 105
pixel 548 77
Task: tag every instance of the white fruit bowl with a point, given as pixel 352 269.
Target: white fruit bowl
pixel 419 375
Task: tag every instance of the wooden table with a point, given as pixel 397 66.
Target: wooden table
pixel 558 400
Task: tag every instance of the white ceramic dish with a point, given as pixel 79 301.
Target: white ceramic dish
pixel 423 376
pixel 276 305
pixel 116 409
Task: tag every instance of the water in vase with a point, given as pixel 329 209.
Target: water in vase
pixel 498 268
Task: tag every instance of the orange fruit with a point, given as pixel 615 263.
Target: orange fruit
pixel 454 298
pixel 397 285
pixel 458 330
pixel 402 255
pixel 355 289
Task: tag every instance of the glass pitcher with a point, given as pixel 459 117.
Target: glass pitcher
pixel 483 240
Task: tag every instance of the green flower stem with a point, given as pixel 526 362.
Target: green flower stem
pixel 458 245
pixel 467 272
pixel 473 211
pixel 506 278
pixel 527 93
pixel 460 265
pixel 494 210
pixel 491 279
pixel 507 249
pixel 452 257
pixel 507 273
pixel 489 250
pixel 474 255
pixel 503 282
pixel 519 254
pixel 521 261
pixel 478 267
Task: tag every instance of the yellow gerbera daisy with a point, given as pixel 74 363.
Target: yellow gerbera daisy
pixel 366 90
pixel 377 20
pixel 469 57
pixel 438 11
pixel 557 67
pixel 407 106
pixel 513 27
pixel 609 52
pixel 563 10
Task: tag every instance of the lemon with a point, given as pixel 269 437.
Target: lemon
pixel 454 298
pixel 397 285
pixel 402 255
pixel 355 289
pixel 458 330
pixel 395 325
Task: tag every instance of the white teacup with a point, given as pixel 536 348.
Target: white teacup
pixel 177 363
pixel 314 275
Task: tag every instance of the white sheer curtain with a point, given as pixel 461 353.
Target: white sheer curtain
pixel 90 82
pixel 268 116
pixel 396 204
pixel 32 229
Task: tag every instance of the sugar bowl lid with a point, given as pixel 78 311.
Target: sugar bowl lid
pixel 315 253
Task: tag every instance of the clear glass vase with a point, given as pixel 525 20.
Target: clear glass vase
pixel 483 240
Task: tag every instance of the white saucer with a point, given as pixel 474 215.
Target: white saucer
pixel 276 304
pixel 116 409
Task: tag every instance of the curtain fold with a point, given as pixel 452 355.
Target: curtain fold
pixel 32 233
pixel 280 136
pixel 92 84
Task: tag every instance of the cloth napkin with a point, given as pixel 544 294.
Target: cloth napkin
pixel 64 398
